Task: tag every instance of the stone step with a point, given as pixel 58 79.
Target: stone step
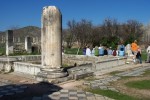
pixel 55 80
pixel 117 68
pixel 82 75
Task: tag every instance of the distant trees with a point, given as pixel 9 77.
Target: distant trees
pixel 83 32
pixel 79 32
pixel 109 33
pixel 110 29
pixel 131 30
pixel 146 37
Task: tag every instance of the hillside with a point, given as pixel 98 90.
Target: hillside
pixel 21 33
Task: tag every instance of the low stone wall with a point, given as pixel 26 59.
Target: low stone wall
pixel 6 64
pixel 109 63
pixel 88 65
pixel 71 60
pixel 96 61
pixel 25 58
pixel 27 68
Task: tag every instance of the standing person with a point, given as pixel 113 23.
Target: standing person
pixel 96 51
pixel 88 51
pixel 138 55
pixel 128 50
pixel 100 46
pixel 93 51
pixel 105 51
pixel 84 51
pixel 121 50
pixel 134 48
pixel 114 52
pixel 148 54
pixel 101 51
pixel 109 51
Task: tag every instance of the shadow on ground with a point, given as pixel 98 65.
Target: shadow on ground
pixel 27 91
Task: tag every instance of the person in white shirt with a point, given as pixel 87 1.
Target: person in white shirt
pixel 100 46
pixel 88 51
pixel 148 54
pixel 128 50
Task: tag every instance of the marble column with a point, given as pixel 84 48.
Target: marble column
pixel 51 38
pixel 9 42
pixel 28 44
pixel 51 29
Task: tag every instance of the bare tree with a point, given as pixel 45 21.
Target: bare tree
pixel 84 32
pixel 96 35
pixel 131 30
pixel 146 35
pixel 110 27
pixel 110 31
pixel 70 37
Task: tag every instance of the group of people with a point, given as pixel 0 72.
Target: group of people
pixel 132 49
pixel 103 50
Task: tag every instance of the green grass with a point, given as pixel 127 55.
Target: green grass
pixel 147 72
pixel 115 72
pixel 65 65
pixel 142 84
pixel 112 94
pixel 73 51
pixel 91 78
pixel 2 51
pixel 144 55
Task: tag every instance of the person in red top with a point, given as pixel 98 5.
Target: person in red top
pixel 134 48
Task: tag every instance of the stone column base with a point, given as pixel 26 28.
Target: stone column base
pixel 51 75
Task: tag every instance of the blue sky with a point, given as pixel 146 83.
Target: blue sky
pixel 23 13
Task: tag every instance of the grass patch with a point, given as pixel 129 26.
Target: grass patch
pixel 73 51
pixel 112 94
pixel 2 51
pixel 144 55
pixel 126 77
pixel 115 72
pixel 146 73
pixel 65 65
pixel 92 78
pixel 142 84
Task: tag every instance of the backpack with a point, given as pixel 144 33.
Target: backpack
pixel 122 48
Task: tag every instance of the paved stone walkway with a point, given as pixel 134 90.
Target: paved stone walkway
pixel 134 72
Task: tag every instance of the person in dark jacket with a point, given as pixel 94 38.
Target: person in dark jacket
pixel 105 51
pixel 138 55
